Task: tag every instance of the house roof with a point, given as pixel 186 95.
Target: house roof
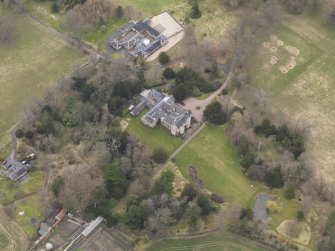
pixel 14 169
pixel 167 110
pixel 139 108
pixel 143 26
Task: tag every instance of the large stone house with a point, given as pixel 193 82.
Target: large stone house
pixel 163 110
pixel 143 38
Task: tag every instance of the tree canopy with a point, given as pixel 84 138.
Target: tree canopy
pixel 214 114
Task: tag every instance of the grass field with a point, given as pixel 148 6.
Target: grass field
pixel 4 240
pixel 153 137
pixel 29 68
pixel 217 163
pixel 33 215
pixel 211 242
pixel 267 75
pixel 11 237
pixel 303 96
pixel 12 190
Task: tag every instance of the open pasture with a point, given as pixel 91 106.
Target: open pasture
pixel 11 237
pixel 211 242
pixel 309 102
pixel 281 57
pixel 29 68
pixel 4 239
pixel 304 95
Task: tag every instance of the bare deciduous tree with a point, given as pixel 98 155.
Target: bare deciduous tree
pixel 95 12
pixel 74 22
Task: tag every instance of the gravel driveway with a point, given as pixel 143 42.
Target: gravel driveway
pixel 192 103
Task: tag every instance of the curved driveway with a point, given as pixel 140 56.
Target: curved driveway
pixel 192 103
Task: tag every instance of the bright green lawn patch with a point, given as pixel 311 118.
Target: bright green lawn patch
pixel 10 190
pixel 30 67
pixel 266 75
pixel 33 182
pixel 148 7
pixel 217 163
pixel 99 35
pixel 153 137
pixel 32 212
pixel 211 242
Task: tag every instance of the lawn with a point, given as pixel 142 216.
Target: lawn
pixel 33 214
pixel 149 7
pixel 211 242
pixel 153 137
pixel 99 35
pixel 29 68
pixel 217 163
pixel 10 190
pixel 287 208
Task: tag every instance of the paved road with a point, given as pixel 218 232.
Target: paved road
pixel 192 103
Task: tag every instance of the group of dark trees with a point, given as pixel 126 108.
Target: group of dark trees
pixel 186 80
pixel 150 208
pixel 84 109
pixel 195 11
pixel 291 141
pixel 296 7
pixel 163 58
pixel 276 174
pixel 169 73
pixel 215 114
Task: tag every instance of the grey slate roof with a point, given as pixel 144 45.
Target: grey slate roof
pixel 14 169
pixel 135 36
pixel 167 110
pixel 139 108
pixel 143 26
